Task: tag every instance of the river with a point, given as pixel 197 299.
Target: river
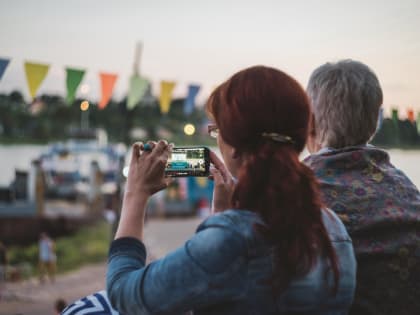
pixel 19 157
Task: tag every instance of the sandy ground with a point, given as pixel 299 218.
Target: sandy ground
pixel 32 298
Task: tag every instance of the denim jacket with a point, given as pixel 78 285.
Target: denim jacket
pixel 223 269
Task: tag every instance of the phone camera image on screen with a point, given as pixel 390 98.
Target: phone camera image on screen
pixel 188 161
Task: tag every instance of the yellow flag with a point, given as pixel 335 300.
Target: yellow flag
pixel 166 88
pixel 35 74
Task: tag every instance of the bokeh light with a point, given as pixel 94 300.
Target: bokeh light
pixel 84 106
pixel 189 129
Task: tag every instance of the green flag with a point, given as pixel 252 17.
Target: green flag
pixel 418 123
pixel 74 77
pixel 395 116
pixel 138 87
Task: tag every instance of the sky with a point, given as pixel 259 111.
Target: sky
pixel 205 42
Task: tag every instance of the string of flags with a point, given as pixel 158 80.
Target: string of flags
pixel 36 73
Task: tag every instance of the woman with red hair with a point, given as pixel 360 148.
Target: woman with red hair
pixel 270 247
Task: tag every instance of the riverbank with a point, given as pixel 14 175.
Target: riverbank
pixel 32 298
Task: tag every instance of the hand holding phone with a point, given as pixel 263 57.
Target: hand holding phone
pixel 224 184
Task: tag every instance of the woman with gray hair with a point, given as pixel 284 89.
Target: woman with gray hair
pixel 378 204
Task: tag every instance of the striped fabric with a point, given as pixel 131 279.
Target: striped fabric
pixel 95 304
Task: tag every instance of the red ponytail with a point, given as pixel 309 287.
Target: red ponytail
pixel 272 181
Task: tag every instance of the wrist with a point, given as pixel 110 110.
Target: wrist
pixel 134 203
pixel 132 215
pixel 131 196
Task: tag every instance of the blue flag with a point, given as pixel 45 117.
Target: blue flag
pixel 190 100
pixel 3 65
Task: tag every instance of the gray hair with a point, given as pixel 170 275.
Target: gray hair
pixel 346 97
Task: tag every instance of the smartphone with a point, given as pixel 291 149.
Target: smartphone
pixel 188 161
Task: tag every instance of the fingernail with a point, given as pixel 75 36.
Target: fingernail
pixel 147 147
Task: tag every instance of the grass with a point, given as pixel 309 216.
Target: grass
pixel 89 245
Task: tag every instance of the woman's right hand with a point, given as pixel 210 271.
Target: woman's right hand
pixel 223 184
pixel 147 168
pixel 145 177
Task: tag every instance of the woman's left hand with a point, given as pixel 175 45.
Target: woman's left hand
pixel 223 184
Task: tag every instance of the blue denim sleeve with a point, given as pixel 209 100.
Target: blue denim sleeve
pixel 208 269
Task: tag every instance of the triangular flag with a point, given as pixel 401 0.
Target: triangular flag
pixel 190 100
pixel 107 85
pixel 35 74
pixel 3 65
pixel 73 79
pixel 410 115
pixel 418 122
pixel 166 88
pixel 138 86
pixel 394 115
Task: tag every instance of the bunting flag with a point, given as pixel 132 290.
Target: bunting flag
pixel 138 87
pixel 107 85
pixel 3 65
pixel 166 89
pixel 190 100
pixel 395 116
pixel 73 79
pixel 35 74
pixel 418 122
pixel 410 115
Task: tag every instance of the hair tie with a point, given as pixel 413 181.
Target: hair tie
pixel 277 137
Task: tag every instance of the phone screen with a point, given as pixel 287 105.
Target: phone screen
pixel 188 161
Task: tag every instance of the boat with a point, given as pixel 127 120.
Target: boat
pixel 68 166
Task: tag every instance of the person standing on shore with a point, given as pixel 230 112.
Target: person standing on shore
pixel 47 257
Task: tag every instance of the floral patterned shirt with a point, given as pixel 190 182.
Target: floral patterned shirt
pixel 380 207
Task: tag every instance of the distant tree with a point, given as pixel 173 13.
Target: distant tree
pixel 408 133
pixel 54 118
pixel 17 98
pixel 387 135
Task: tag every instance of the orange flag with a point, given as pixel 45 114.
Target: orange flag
pixel 410 115
pixel 107 85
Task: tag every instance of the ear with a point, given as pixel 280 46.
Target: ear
pixel 312 126
pixel 312 142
